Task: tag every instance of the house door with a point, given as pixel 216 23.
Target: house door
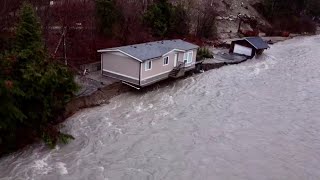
pixel 175 62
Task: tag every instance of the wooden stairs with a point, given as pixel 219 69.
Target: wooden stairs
pixel 174 72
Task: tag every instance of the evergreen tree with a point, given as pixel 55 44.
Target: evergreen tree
pixel 165 19
pixel 285 8
pixel 180 21
pixel 10 114
pixel 313 7
pixel 28 34
pixel 33 88
pixel 158 17
pixel 108 15
pixel 292 15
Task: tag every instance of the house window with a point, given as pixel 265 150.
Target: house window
pixel 190 57
pixel 148 65
pixel 166 61
pixel 187 57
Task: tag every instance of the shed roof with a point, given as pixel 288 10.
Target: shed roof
pixel 151 50
pixel 257 42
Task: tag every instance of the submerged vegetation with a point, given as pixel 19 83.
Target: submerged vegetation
pixel 33 88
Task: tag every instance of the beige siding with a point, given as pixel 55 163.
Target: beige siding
pixel 121 64
pixel 158 68
pixel 194 57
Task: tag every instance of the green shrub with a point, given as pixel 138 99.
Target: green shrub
pixel 203 53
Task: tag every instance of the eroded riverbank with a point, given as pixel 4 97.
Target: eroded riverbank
pixel 103 93
pixel 255 120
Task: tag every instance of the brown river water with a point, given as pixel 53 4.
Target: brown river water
pixel 259 120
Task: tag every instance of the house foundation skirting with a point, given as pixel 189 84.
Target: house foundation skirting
pixel 149 81
pixel 123 78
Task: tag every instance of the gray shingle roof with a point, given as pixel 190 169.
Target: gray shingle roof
pixel 155 49
pixel 257 42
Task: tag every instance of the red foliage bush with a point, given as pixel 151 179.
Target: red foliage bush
pixel 285 34
pixel 8 84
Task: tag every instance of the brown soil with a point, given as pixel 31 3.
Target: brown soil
pixel 101 96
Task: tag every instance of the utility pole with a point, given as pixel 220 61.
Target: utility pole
pixel 65 50
pixel 63 38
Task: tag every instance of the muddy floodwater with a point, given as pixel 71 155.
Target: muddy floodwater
pixel 259 120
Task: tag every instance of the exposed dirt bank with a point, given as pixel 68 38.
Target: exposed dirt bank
pixel 104 94
pixel 101 96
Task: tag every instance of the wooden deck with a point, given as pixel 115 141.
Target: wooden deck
pixel 226 58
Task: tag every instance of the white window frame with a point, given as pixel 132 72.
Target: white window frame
pixel 185 57
pixel 164 61
pixel 146 65
pixel 188 57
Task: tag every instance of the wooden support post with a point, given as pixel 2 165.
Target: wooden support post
pixel 65 50
pixel 239 28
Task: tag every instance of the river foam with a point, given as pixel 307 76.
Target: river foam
pixel 255 120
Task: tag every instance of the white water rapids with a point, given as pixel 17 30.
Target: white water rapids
pixel 259 120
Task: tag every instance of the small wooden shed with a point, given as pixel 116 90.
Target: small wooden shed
pixel 249 46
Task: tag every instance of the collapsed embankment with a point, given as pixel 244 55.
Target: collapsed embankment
pixel 103 95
